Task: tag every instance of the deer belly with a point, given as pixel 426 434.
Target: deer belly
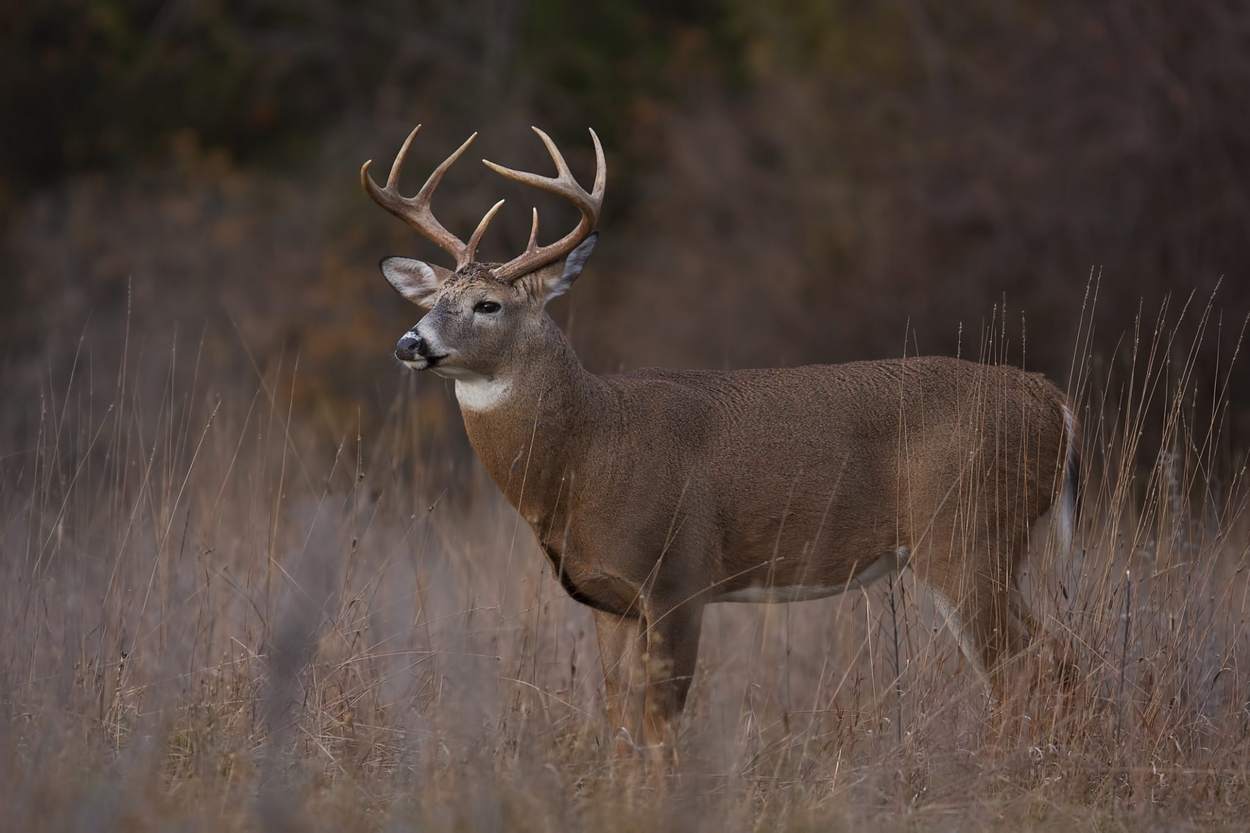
pixel 780 592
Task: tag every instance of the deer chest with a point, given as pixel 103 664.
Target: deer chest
pixel 595 593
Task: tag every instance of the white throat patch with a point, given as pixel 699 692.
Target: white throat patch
pixel 480 393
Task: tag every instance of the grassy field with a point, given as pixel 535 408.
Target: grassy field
pixel 220 614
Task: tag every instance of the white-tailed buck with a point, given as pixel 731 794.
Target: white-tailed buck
pixel 656 492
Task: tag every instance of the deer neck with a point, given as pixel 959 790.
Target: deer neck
pixel 528 425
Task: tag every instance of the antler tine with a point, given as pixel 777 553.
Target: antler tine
pixel 565 185
pixel 393 178
pixel 471 250
pixel 533 244
pixel 562 167
pixel 427 190
pixel 562 185
pixel 601 170
pixel 415 211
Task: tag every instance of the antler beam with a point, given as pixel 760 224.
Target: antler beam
pixel 563 184
pixel 415 211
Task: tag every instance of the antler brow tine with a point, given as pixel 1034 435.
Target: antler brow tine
pixel 476 237
pixel 533 243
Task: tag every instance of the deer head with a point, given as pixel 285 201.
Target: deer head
pixel 479 314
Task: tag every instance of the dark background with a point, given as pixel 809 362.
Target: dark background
pixel 823 181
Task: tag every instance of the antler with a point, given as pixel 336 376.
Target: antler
pixel 562 185
pixel 415 211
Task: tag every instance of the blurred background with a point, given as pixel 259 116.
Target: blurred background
pixel 249 568
pixel 819 182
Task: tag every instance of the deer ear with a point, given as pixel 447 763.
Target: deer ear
pixel 416 280
pixel 556 279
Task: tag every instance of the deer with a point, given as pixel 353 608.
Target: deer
pixel 657 492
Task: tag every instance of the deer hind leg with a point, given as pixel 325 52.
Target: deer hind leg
pixel 988 617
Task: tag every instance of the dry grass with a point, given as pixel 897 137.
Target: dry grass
pixel 215 617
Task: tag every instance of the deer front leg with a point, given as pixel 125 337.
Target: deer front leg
pixel 648 664
pixel 622 648
pixel 672 642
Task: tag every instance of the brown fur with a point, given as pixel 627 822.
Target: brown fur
pixel 655 492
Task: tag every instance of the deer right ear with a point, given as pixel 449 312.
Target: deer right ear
pixel 416 280
pixel 554 280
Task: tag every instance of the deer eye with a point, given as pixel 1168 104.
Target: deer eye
pixel 487 307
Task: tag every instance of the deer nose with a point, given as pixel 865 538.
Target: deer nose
pixel 410 347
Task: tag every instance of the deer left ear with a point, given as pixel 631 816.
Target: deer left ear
pixel 416 280
pixel 556 279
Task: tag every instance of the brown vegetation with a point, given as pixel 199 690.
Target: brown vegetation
pixel 214 617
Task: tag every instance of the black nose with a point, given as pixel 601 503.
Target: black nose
pixel 410 347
